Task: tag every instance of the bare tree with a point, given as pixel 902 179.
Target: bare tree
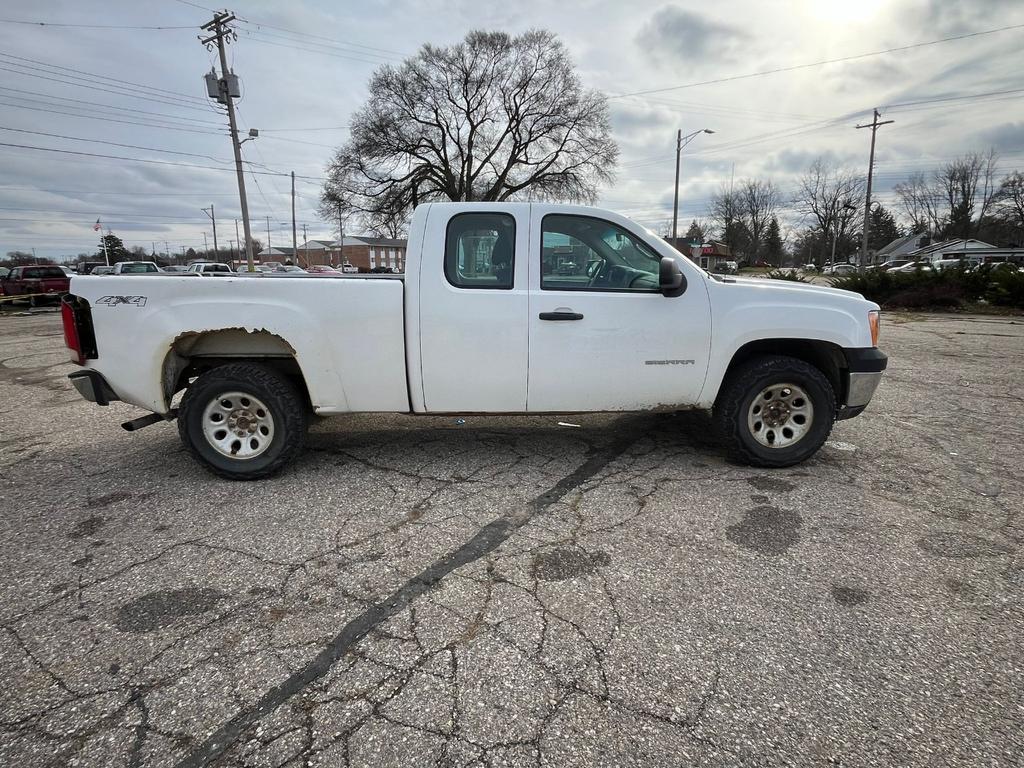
pixel 493 117
pixel 919 204
pixel 968 188
pixel 1010 201
pixel 759 204
pixel 829 198
pixel 726 212
pixel 957 197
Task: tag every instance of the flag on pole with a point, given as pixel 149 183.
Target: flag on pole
pixel 97 226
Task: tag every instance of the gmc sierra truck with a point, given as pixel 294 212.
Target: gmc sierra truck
pixel 504 308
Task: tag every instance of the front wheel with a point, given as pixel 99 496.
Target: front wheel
pixel 775 411
pixel 244 421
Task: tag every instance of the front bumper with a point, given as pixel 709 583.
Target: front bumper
pixel 864 367
pixel 93 387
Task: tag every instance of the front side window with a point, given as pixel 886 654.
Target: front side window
pixel 583 253
pixel 480 250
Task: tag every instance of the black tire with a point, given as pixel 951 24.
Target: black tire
pixel 287 407
pixel 751 378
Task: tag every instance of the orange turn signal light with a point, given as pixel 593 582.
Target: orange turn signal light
pixel 873 322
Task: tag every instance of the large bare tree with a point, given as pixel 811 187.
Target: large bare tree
pixel 829 198
pixel 493 117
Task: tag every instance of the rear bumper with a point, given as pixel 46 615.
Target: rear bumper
pixel 93 387
pixel 863 374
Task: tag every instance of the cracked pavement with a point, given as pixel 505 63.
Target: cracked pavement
pixel 511 592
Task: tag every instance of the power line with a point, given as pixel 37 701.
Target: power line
pixel 42 98
pixel 114 144
pixel 320 37
pixel 144 160
pixel 841 59
pixel 84 26
pixel 313 47
pixel 111 119
pixel 89 84
pixel 144 86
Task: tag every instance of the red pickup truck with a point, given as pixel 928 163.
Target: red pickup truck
pixel 36 283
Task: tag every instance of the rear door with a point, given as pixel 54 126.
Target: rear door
pixel 602 336
pixel 473 301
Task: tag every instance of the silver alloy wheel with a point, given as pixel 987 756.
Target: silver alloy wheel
pixel 238 425
pixel 780 415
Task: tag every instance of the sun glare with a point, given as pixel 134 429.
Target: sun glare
pixel 845 11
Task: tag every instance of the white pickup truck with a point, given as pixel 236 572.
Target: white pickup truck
pixel 504 308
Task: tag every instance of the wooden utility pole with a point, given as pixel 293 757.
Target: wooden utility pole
pixel 295 244
pixel 874 126
pixel 225 89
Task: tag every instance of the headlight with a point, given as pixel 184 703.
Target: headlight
pixel 873 322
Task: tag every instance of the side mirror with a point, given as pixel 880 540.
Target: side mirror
pixel 671 279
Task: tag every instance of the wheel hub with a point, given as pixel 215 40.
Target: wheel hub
pixel 238 425
pixel 780 415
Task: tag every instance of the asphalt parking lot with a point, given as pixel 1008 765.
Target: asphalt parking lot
pixel 513 592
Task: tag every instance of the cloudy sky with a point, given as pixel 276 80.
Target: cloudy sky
pixel 134 95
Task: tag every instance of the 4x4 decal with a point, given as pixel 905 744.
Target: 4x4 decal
pixel 113 301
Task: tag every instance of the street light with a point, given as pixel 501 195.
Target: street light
pixel 681 141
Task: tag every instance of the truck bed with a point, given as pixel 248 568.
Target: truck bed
pixel 353 325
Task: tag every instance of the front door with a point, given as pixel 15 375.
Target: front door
pixel 602 336
pixel 472 305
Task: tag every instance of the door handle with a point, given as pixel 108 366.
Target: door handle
pixel 562 315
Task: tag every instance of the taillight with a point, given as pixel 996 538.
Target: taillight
pixel 71 337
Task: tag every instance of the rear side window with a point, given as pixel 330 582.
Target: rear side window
pixel 42 272
pixel 480 250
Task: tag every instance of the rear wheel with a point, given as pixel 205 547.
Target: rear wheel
pixel 775 411
pixel 244 421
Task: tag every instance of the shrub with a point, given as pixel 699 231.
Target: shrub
pixel 793 276
pixel 949 289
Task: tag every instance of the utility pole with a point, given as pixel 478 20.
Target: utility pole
pixel 268 234
pixel 874 126
pixel 206 246
pixel 167 250
pixel 681 141
pixel 295 245
pixel 305 246
pixel 225 89
pixel 211 213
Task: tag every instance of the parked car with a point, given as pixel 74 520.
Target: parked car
pixel 270 266
pixel 209 268
pixel 323 269
pixel 103 269
pixel 4 271
pixel 809 268
pixel 914 266
pixel 289 269
pixel 136 268
pixel 777 362
pixel 175 268
pixel 347 268
pixel 885 266
pixel 37 283
pixel 87 267
pixel 843 269
pixel 943 264
pixel 67 270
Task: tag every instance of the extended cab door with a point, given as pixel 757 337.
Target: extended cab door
pixel 473 297
pixel 602 336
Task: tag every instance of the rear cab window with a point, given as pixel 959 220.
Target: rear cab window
pixel 480 250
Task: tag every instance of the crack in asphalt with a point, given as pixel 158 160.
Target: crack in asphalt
pixel 486 540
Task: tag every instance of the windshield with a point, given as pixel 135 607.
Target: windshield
pixel 137 268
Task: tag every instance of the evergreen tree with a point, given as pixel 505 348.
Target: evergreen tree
pixel 115 249
pixel 773 243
